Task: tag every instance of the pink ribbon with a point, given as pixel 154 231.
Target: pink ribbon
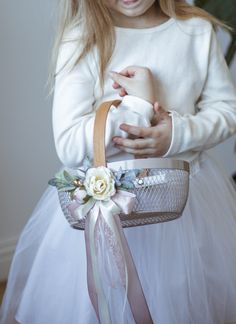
pixel 122 201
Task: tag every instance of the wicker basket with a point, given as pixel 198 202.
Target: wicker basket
pixel 161 192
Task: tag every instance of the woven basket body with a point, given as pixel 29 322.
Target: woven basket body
pixel 161 196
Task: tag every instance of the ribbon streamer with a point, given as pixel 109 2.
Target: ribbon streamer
pixel 109 210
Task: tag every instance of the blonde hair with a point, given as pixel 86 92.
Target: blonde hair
pixel 95 22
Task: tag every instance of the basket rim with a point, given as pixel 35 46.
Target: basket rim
pixel 149 163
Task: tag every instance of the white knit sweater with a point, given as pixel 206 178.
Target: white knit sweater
pixel 191 79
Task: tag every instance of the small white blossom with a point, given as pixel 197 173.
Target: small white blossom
pixel 79 195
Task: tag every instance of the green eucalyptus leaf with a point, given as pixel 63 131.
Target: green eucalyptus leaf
pixel 62 183
pixel 67 176
pixel 123 188
pixel 127 184
pixel 52 182
pixel 59 175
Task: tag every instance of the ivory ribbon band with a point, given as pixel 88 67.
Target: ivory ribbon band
pixel 150 163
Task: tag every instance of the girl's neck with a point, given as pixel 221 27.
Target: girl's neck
pixel 152 17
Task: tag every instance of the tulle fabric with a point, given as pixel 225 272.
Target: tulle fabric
pixel 186 266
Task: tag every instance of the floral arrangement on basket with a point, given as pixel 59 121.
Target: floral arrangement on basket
pixel 91 184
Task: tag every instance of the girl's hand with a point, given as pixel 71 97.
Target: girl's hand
pixel 148 141
pixel 135 80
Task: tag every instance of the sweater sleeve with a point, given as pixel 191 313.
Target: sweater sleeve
pixel 73 110
pixel 215 119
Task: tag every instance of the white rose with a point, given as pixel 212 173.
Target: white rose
pixel 100 183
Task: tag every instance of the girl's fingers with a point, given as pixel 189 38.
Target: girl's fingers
pixel 156 107
pixel 147 152
pixel 120 79
pixel 129 71
pixel 159 114
pixel 122 92
pixel 137 131
pixel 115 85
pixel 139 143
pixel 159 110
pixel 132 136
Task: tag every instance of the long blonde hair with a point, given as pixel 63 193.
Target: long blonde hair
pixel 95 22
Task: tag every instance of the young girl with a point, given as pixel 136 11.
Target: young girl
pixel 167 56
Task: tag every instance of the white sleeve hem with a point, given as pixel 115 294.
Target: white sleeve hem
pixel 173 149
pixel 138 105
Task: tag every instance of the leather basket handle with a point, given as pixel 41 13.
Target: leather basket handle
pixel 99 151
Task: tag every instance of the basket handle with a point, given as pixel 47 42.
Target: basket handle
pixel 99 153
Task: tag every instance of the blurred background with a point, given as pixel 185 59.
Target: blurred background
pixel 28 157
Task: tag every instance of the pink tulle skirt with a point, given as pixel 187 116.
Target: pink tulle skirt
pixel 187 267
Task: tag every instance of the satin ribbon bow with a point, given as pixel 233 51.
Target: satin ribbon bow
pixel 121 202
